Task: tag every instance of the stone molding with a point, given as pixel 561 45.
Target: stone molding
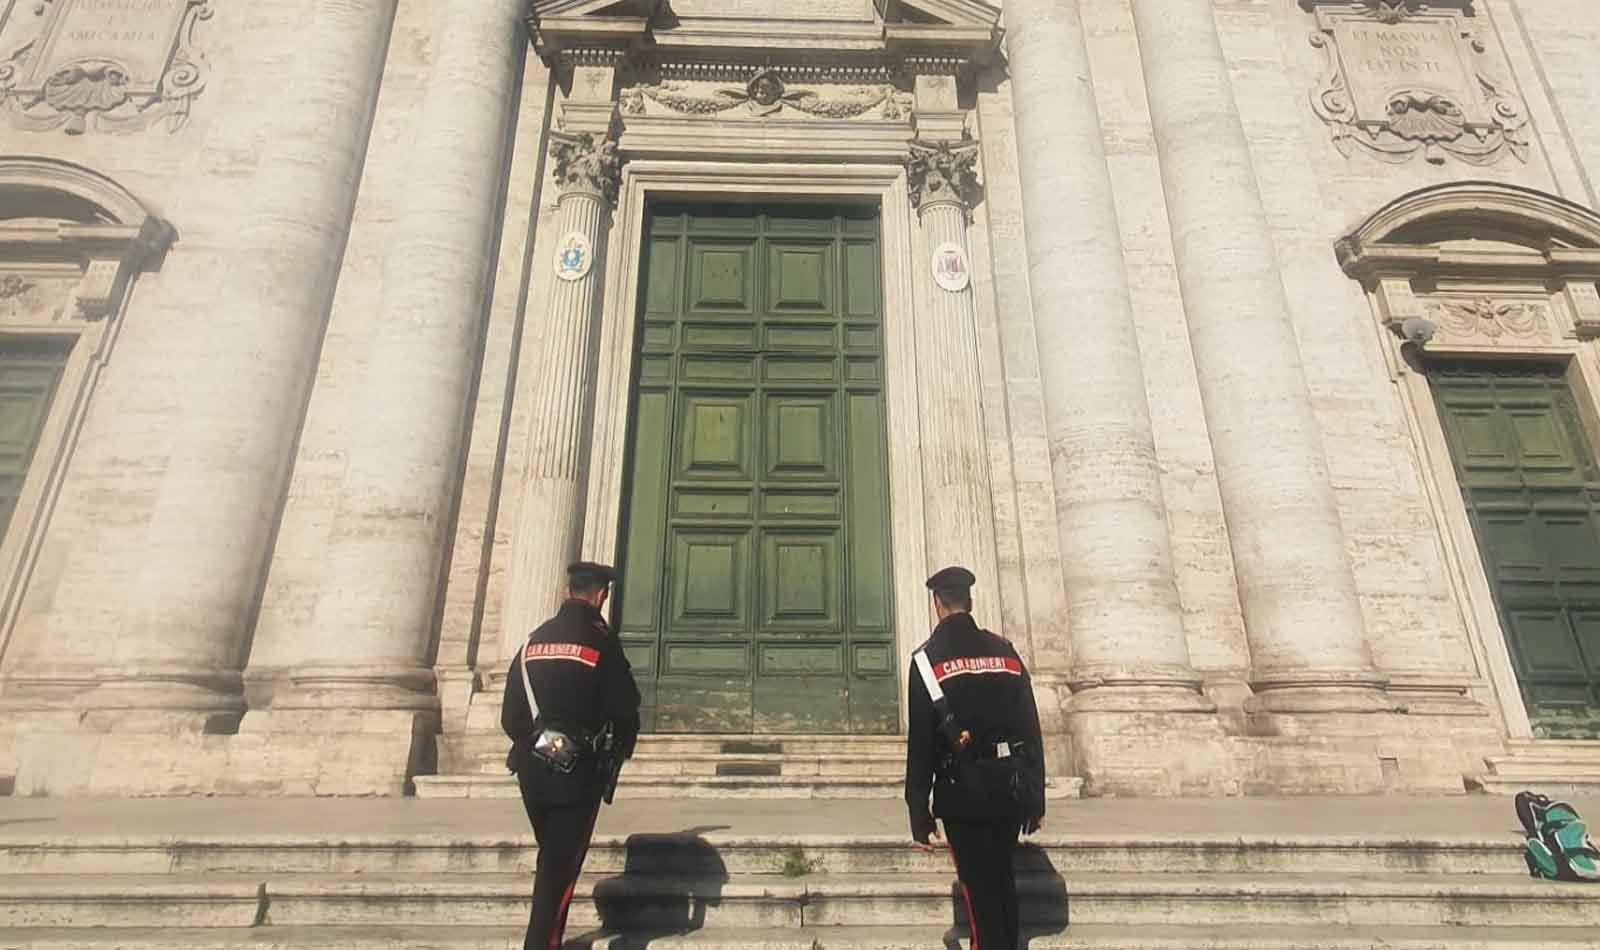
pixel 108 85
pixel 1541 287
pixel 950 29
pixel 72 243
pixel 940 173
pixel 1382 93
pixel 1498 272
pixel 585 164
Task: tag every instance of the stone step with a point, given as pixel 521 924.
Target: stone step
pixel 659 744
pixel 1076 937
pixel 496 783
pixel 433 853
pixel 1554 768
pixel 700 764
pixel 672 902
pixel 490 785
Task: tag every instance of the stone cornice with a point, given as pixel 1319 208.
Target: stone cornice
pixel 963 32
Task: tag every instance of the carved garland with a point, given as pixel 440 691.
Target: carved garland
pixel 110 83
pixel 767 94
pixel 1416 118
pixel 1487 317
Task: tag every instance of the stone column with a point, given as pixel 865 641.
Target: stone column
pixel 367 642
pixel 957 505
pixel 1296 586
pixel 145 604
pixel 550 520
pixel 1128 643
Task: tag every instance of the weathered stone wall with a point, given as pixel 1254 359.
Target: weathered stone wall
pixel 158 546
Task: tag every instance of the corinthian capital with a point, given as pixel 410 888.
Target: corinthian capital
pixel 586 164
pixel 943 173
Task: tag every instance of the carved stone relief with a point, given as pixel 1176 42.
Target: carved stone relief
pixel 585 163
pixel 31 299
pixel 1407 77
pixel 111 65
pixel 767 93
pixel 943 172
pixel 1491 319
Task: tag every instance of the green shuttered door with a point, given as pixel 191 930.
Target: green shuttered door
pixel 755 564
pixel 1528 475
pixel 29 372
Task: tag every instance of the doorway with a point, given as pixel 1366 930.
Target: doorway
pixel 755 592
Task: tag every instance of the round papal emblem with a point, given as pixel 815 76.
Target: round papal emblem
pixel 574 256
pixel 950 268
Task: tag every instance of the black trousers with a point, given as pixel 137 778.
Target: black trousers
pixel 983 852
pixel 563 833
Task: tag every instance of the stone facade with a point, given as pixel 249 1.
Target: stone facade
pixel 350 288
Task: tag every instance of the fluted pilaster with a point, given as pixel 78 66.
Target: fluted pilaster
pixel 549 526
pixel 957 504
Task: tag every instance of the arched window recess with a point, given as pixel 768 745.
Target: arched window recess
pixel 1480 265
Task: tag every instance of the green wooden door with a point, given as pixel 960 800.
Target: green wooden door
pixel 755 564
pixel 29 372
pixel 1528 474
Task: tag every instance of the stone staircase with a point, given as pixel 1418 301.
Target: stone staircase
pixel 765 766
pixel 1555 767
pixel 426 890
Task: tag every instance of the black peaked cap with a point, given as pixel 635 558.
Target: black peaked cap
pixel 952 578
pixel 588 573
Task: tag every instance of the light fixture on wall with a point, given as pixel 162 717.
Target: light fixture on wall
pixel 1418 330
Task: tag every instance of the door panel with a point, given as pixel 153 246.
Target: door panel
pixel 756 557
pixel 29 373
pixel 1528 476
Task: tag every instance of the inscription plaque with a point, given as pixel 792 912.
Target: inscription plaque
pixel 1407 78
pixel 115 65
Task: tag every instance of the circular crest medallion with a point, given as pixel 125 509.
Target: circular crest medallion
pixel 574 256
pixel 950 268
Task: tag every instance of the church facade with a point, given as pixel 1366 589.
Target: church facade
pixel 1244 349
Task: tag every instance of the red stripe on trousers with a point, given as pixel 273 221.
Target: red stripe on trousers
pixel 966 896
pixel 560 929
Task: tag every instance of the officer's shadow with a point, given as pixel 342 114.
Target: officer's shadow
pixel 668 882
pixel 1042 900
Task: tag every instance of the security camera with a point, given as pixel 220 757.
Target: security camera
pixel 1418 330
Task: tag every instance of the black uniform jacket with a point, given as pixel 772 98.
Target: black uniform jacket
pixel 581 681
pixel 990 695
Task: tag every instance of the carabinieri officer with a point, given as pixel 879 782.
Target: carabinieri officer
pixel 571 723
pixel 974 744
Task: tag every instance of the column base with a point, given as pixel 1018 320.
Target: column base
pixel 1320 753
pixel 1099 689
pixel 169 700
pixel 359 687
pixel 1320 691
pixel 279 754
pixel 1150 753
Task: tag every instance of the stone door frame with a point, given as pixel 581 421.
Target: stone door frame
pixel 882 186
pixel 1402 258
pixel 85 272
